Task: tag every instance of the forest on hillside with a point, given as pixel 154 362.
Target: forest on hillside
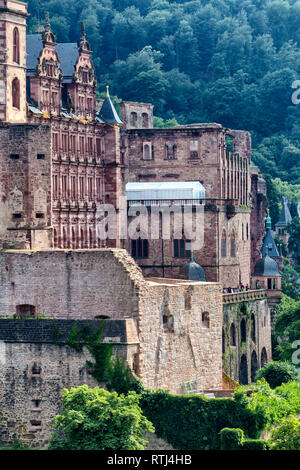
pixel 227 61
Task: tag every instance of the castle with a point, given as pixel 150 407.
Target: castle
pixel 180 315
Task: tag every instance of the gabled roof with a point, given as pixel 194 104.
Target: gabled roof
pixel 108 113
pixel 285 216
pixel 67 54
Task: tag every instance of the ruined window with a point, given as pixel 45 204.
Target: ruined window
pixel 55 141
pixel 253 328
pixel 147 149
pixel 182 248
pixel 205 320
pixel 170 149
pixel 65 238
pixel 229 143
pixel 15 89
pixel 36 369
pixel 254 365
pixel 16 46
pixel 145 120
pixel 35 425
pixel 194 149
pixel 243 330
pixel 73 238
pixel 36 404
pixel 232 335
pixel 224 245
pixel 40 156
pixel 263 357
pixel 243 375
pixel 25 310
pixel 139 248
pixel 82 238
pixel 55 238
pixel 232 245
pixel 14 156
pixel 17 215
pixel 39 215
pixel 133 119
pixel 91 238
pixel 168 323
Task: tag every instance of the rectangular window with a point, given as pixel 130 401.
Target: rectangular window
pixel 98 188
pixel 194 149
pixel 65 142
pixel 90 187
pixel 90 145
pixel 55 186
pixel 55 142
pixel 73 186
pixel 14 156
pixel 81 187
pixel 40 156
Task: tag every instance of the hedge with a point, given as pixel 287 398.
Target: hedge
pixel 233 439
pixel 195 422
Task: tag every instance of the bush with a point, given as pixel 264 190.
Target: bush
pixel 195 422
pixel 95 419
pixel 231 439
pixel 255 444
pixel 277 373
pixel 287 435
pixel 121 379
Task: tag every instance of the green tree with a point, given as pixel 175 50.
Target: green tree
pixel 277 373
pixel 287 327
pixel 95 419
pixel 294 239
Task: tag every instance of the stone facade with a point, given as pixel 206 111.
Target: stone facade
pixel 36 367
pixel 200 153
pixel 246 343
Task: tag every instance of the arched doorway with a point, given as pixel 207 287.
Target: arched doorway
pixel 243 370
pixel 263 357
pixel 253 365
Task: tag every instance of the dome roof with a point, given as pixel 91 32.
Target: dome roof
pixel 193 271
pixel 267 267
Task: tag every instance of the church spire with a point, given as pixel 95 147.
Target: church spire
pixel 47 35
pixel 83 44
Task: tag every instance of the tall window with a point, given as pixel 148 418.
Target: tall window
pixel 182 248
pixel 16 46
pixel 223 245
pixel 232 245
pixel 133 119
pixel 139 248
pixel 16 93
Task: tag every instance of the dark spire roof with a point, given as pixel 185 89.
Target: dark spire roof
pixel 285 216
pixel 267 267
pixel 193 271
pixel 269 247
pixel 108 113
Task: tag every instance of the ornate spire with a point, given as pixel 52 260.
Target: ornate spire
pixel 268 221
pixel 47 35
pixel 83 44
pixel 107 90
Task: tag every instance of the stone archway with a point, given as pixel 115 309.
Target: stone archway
pixel 263 357
pixel 254 365
pixel 243 376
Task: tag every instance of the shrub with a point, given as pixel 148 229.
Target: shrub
pixel 231 439
pixel 287 435
pixel 95 419
pixel 255 444
pixel 277 373
pixel 121 379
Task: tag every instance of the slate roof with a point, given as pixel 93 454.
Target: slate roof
pixel 67 53
pixel 269 247
pixel 108 112
pixel 193 271
pixel 267 267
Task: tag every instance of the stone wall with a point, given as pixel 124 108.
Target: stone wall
pixel 25 186
pixel 36 366
pixel 246 343
pixel 175 344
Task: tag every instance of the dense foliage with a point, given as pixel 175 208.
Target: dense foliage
pixel 287 435
pixel 95 419
pixel 234 439
pixel 227 61
pixel 287 330
pixel 277 373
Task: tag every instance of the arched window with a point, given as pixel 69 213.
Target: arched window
pixel 232 245
pixel 253 365
pixel 16 46
pixel 263 357
pixel 243 330
pixel 223 245
pixel 243 370
pixel 73 238
pixel 253 332
pixel 232 335
pixel 15 89
pixel 168 323
pixel 205 320
pixel 133 119
pixel 146 152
